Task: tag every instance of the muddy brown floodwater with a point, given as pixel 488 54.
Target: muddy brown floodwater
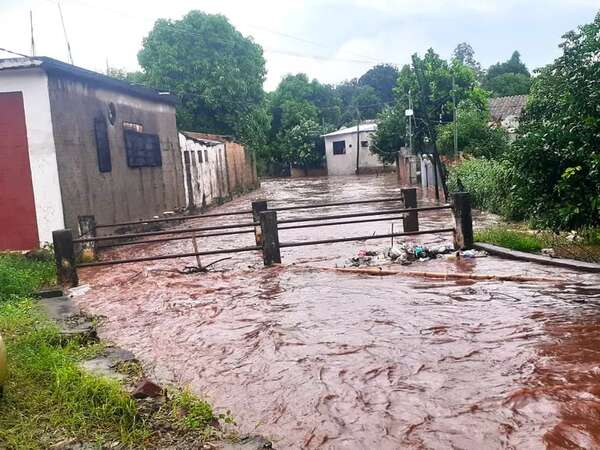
pixel 315 359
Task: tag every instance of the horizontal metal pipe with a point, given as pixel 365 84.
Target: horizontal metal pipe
pixel 325 205
pixel 162 233
pixel 370 213
pixel 177 238
pixel 173 219
pixel 160 257
pixel 364 238
pixel 346 222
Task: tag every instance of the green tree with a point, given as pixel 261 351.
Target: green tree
pixel 390 135
pixel 465 55
pixel 215 71
pixel 508 78
pixel 475 136
pixel 556 158
pixel 303 145
pixel 382 78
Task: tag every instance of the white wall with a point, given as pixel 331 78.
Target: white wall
pixel 346 164
pixel 33 84
pixel 209 176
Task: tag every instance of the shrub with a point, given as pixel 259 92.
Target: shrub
pixel 488 182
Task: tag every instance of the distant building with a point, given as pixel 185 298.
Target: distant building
pixel 341 147
pixel 215 168
pixel 75 142
pixel 506 112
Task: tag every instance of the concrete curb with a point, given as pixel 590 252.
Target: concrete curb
pixel 539 259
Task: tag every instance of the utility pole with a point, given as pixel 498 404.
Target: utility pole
pixel 31 27
pixel 62 20
pixel 357 141
pixel 454 116
pixel 410 119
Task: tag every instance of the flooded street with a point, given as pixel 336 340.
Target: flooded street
pixel 315 359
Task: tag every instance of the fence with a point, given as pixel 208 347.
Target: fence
pixel 265 225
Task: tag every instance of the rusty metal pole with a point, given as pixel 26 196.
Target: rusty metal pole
pixel 411 219
pixel 64 255
pixel 463 218
pixel 270 238
pixel 258 206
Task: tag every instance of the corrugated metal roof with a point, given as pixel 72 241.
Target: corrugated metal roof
pixel 503 107
pixel 365 126
pixel 54 66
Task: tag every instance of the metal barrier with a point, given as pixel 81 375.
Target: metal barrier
pixel 265 227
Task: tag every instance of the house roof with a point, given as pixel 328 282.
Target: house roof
pixel 503 107
pixel 204 138
pixel 364 127
pixel 53 66
pixel 208 136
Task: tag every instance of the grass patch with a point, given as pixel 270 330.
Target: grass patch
pixel 48 399
pixel 512 239
pixel 583 245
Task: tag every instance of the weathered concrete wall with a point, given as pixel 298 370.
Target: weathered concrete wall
pixel 205 171
pixel 346 164
pixel 33 84
pixel 124 193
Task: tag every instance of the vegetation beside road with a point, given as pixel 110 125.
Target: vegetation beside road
pixel 583 245
pixel 49 400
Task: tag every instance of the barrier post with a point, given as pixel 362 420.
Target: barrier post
pixel 270 238
pixel 258 206
pixel 411 219
pixel 463 218
pixel 64 255
pixel 87 229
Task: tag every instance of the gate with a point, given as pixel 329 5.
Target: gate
pixel 264 224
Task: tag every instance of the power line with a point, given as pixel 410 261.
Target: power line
pixel 14 53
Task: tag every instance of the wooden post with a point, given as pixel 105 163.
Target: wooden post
pixel 64 254
pixel 87 229
pixel 270 238
pixel 257 207
pixel 411 219
pixel 463 233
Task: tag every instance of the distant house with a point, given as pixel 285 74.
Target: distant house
pixel 215 168
pixel 342 145
pixel 506 112
pixel 75 142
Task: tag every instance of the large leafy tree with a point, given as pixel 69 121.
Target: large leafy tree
pixel 465 55
pixel 475 136
pixel 508 78
pixel 215 71
pixel 556 158
pixel 382 79
pixel 300 108
pixel 390 135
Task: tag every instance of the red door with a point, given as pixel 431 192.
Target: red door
pixel 18 223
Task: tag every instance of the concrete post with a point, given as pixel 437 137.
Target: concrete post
pixel 87 229
pixel 411 219
pixel 463 233
pixel 270 238
pixel 64 254
pixel 258 206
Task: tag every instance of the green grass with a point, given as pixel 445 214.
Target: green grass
pixel 508 238
pixel 48 399
pixel 586 247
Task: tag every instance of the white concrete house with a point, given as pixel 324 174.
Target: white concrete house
pixel 341 147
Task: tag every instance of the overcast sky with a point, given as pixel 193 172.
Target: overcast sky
pixel 331 40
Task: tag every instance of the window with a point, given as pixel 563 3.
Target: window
pixel 143 149
pixel 112 113
pixel 364 143
pixel 206 155
pixel 199 153
pixel 133 126
pixel 339 147
pixel 102 145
